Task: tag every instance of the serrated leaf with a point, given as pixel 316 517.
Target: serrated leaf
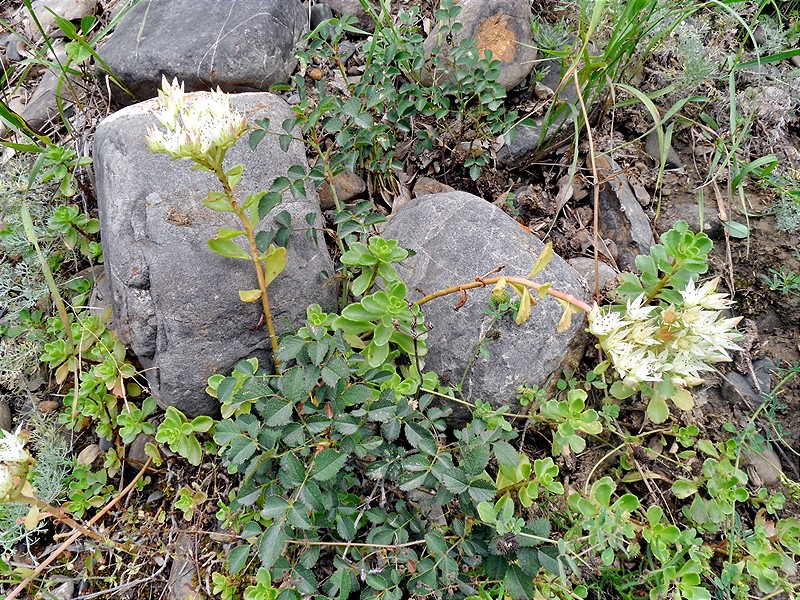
pixel 409 481
pixel 328 463
pixel 270 545
pixel 518 585
pixel 277 412
pixel 237 558
pixel 506 454
pixel 421 439
pixel 249 295
pixel 481 490
pixel 275 507
pixel 340 581
pixel 267 202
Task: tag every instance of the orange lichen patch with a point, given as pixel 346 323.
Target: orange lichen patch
pixel 495 35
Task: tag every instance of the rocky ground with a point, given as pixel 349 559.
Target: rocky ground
pixel 534 189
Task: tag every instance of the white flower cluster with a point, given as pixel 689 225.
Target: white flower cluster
pixel 14 462
pixel 202 128
pixel 677 342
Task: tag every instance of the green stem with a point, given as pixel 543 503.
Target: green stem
pixel 662 282
pixel 259 268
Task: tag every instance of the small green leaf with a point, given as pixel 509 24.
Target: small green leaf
pixel 683 488
pixel 328 464
pixel 736 229
pixel 249 295
pixel 270 545
pixel 227 248
pixel 657 409
pixel 274 262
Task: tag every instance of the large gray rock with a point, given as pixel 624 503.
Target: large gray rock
pixel 238 45
pixel 502 26
pixel 175 302
pixel 458 236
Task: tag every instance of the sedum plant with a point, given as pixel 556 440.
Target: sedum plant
pixel 203 130
pixel 663 331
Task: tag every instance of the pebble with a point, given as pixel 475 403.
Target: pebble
pixel 652 148
pixel 347 185
pixel 48 406
pixel 765 464
pixel 5 415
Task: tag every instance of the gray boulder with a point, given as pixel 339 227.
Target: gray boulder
pixel 458 236
pixel 502 26
pixel 238 46
pixel 175 302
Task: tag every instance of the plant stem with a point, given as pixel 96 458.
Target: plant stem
pixel 60 515
pixel 481 282
pixel 251 240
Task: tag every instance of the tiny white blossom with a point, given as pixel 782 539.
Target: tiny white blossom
pixel 637 311
pixel 604 322
pixel 202 128
pixel 704 296
pixel 12 450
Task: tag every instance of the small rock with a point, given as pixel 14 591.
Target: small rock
pixel 529 138
pixel 621 217
pixel 320 13
pixel 12 48
pixel 5 415
pixel 738 388
pixel 88 455
pixel 765 465
pixel 501 26
pixel 346 50
pixel 347 186
pixel 135 454
pixel 796 60
pixel 354 8
pixel 48 406
pixel 182 584
pixel 71 10
pixel 607 276
pixel 427 185
pixel 43 104
pixel 641 195
pixel 684 207
pixel 652 147
pixel 65 591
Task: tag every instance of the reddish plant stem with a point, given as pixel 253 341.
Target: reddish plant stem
pixel 481 282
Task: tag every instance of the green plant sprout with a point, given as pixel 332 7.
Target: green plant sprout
pixel 202 131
